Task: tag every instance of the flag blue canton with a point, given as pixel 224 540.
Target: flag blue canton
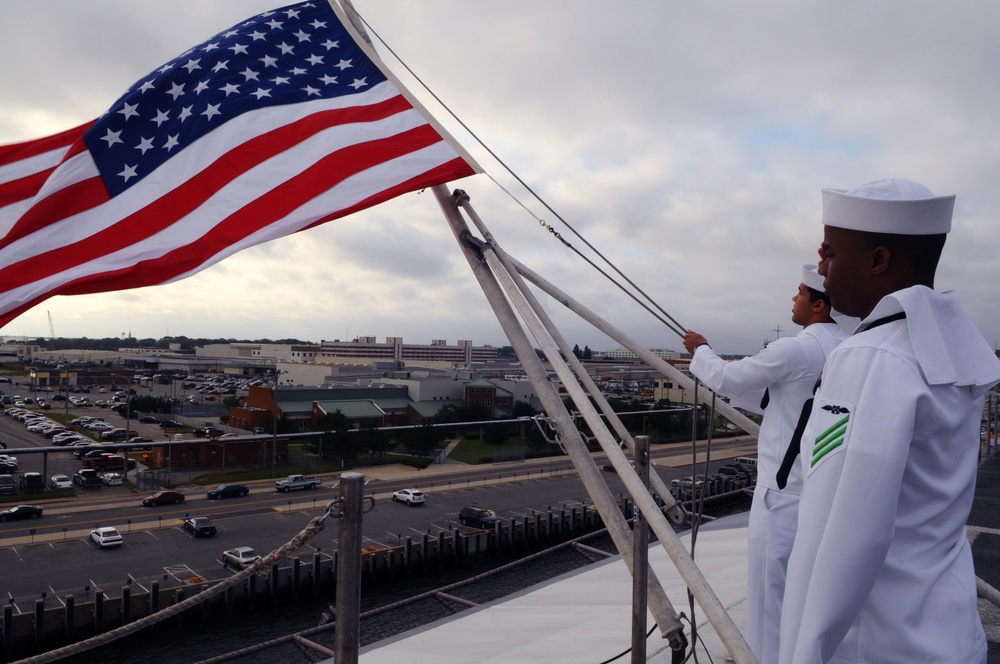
pixel 284 56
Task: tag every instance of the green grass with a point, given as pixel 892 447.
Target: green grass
pixel 473 451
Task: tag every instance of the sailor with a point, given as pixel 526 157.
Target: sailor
pixel 881 568
pixel 786 372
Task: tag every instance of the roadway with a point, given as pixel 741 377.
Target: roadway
pixel 53 555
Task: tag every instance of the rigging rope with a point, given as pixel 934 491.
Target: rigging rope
pixel 673 325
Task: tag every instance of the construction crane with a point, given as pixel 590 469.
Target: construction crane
pixel 52 329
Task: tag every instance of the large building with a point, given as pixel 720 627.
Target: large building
pixel 438 350
pixel 626 354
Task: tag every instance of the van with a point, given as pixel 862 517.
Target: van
pixel 7 485
pixel 747 461
pixel 477 517
pixel 32 483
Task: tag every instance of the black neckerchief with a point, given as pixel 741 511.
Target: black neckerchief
pixel 881 321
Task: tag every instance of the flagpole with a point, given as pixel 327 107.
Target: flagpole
pixel 352 22
pixel 501 278
pixel 674 510
pixel 666 618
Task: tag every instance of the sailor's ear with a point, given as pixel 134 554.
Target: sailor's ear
pixel 881 257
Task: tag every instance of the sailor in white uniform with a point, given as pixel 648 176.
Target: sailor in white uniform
pixel 881 568
pixel 786 371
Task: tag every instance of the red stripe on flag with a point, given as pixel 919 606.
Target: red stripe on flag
pixel 133 277
pixel 451 170
pixel 18 151
pixel 73 200
pixel 183 200
pixel 23 188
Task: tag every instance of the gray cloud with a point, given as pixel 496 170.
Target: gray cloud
pixel 688 142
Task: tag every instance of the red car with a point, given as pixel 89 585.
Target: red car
pixel 163 498
pixel 108 461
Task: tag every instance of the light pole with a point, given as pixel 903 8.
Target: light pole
pixel 66 392
pixel 128 424
pixel 274 440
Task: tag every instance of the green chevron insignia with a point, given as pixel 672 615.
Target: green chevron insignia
pixel 832 438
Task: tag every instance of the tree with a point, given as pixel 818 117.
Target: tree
pixel 420 440
pixel 337 441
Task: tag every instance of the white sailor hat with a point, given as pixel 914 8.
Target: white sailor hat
pixel 894 206
pixel 812 278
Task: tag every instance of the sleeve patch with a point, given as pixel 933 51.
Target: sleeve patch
pixel 832 425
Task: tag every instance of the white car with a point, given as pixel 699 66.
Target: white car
pixel 112 479
pixel 98 426
pixel 59 482
pixel 409 496
pixel 41 426
pixel 241 556
pixel 105 537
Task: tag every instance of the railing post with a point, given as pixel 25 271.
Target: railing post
pixel 349 540
pixel 640 558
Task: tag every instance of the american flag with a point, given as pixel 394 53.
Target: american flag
pixel 271 127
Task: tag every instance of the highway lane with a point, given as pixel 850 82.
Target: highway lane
pixel 122 506
pixel 157 549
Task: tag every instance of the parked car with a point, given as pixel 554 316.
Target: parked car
pixel 737 476
pixel 32 483
pixel 200 526
pixel 751 471
pixel 116 433
pixel 60 482
pixel 7 484
pixel 149 419
pixel 477 517
pixel 170 424
pixel 106 537
pixel 241 556
pixel 409 496
pixel 66 438
pixel 112 479
pixel 109 461
pixel 163 498
pixel 21 512
pixel 228 491
pixel 87 478
pixel 98 426
pixel 90 452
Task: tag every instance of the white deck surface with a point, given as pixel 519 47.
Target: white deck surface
pixel 584 616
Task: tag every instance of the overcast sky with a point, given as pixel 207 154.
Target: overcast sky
pixel 687 141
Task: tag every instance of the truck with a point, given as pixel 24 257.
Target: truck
pixel 32 483
pixel 87 478
pixel 7 484
pixel 109 461
pixel 295 482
